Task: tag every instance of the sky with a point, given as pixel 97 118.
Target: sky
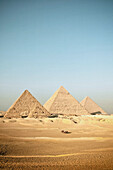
pixel 48 43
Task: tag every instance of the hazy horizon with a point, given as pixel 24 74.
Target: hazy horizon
pixel 45 44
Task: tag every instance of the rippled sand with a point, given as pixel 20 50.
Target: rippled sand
pixel 39 143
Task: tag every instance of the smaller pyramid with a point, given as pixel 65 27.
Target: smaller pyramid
pixel 26 104
pixel 62 102
pixel 91 106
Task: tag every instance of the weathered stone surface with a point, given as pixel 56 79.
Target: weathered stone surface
pixel 2 113
pixel 62 102
pixel 26 103
pixel 24 114
pixel 91 106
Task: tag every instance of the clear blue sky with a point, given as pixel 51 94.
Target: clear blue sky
pixel 48 43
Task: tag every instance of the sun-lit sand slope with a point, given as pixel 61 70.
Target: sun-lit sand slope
pixel 39 143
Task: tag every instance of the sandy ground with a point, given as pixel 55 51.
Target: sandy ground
pixel 39 143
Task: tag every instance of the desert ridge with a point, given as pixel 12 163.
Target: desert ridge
pixel 26 106
pixel 91 106
pixel 62 102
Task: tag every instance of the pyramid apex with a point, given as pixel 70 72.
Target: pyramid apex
pixel 62 87
pixel 26 90
pixel 87 97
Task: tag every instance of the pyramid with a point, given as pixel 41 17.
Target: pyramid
pixel 26 104
pixel 91 106
pixel 62 102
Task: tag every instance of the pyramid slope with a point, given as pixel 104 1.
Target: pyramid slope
pixel 91 106
pixel 26 103
pixel 62 102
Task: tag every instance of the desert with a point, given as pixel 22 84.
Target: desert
pixel 56 84
pixel 65 136
pixel 31 143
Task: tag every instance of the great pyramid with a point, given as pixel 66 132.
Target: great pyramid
pixel 26 104
pixel 62 102
pixel 91 106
